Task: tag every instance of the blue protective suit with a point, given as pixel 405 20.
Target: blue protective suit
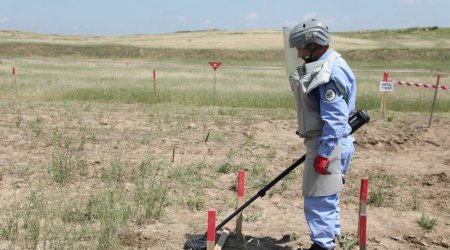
pixel 337 102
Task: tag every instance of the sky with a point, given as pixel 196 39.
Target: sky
pixel 129 17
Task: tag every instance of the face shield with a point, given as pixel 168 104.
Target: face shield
pixel 290 54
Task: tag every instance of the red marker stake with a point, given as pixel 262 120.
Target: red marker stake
pixel 240 200
pixel 215 66
pixel 211 235
pixel 384 97
pixel 362 225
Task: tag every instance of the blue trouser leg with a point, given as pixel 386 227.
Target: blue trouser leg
pixel 337 226
pixel 322 216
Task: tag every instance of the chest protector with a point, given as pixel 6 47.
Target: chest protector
pixel 310 127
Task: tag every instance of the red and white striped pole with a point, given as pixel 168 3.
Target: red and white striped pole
pixel 362 225
pixel 240 200
pixel 211 233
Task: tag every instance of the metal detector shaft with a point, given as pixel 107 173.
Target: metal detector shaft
pixel 263 191
pixel 356 120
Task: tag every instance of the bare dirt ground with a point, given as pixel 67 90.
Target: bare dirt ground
pixel 408 165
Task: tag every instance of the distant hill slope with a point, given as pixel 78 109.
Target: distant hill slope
pixel 252 45
pixel 245 40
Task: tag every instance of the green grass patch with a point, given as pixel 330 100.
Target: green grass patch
pixel 428 223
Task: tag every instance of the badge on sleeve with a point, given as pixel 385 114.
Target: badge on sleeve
pixel 330 94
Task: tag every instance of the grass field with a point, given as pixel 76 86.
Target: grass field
pixel 194 85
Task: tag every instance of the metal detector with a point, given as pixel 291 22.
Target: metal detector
pixel 198 242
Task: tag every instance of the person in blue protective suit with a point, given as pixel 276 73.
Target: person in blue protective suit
pixel 324 91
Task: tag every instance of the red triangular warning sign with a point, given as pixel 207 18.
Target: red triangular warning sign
pixel 215 65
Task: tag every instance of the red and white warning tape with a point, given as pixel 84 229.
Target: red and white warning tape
pixel 423 85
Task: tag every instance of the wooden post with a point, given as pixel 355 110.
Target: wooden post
pixel 173 154
pixel 211 233
pixel 154 86
pixel 434 99
pixel 240 200
pixel 14 79
pixel 362 222
pixel 384 96
pixel 207 136
pixel 214 87
pixel 223 237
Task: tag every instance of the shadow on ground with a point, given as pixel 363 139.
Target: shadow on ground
pixel 249 242
pixel 265 243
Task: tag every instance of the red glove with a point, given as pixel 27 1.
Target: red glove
pixel 321 165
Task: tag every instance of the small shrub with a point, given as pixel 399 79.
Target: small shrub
pixel 34 212
pixel 427 223
pixel 390 116
pixel 151 197
pixel 37 126
pixel 73 214
pixel 380 188
pixel 114 172
pixel 378 197
pixel 61 167
pixel 196 203
pixel 155 202
pixel 190 175
pixel 347 242
pixel 10 228
pixel 216 137
pixel 416 201
pixel 258 176
pixel 252 218
pixel 227 167
pixel 18 120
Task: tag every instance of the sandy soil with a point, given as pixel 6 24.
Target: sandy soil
pixel 408 165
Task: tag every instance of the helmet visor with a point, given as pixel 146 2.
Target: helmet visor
pixel 290 54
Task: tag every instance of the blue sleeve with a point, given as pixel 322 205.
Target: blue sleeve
pixel 343 75
pixel 334 113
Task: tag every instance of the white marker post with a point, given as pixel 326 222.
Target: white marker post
pixel 385 86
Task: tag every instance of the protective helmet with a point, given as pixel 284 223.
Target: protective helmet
pixel 311 31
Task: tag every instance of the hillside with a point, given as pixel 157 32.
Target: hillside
pixel 244 40
pixel 264 46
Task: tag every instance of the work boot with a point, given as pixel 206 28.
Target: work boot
pixel 313 247
pixel 316 247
